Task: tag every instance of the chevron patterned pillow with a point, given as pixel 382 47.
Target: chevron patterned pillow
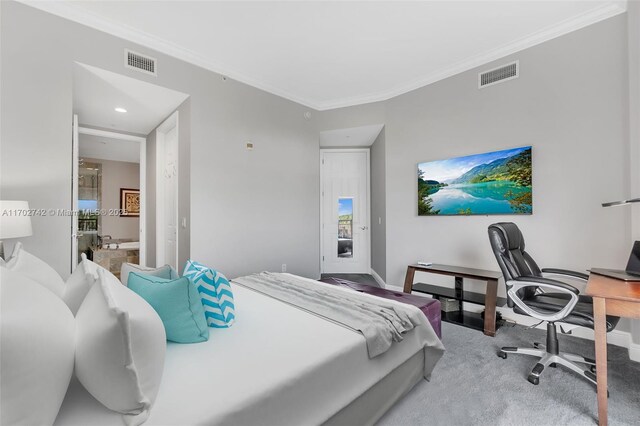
pixel 215 292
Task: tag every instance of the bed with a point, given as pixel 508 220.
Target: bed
pixel 277 365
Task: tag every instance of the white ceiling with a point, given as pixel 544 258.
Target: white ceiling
pixel 96 94
pixel 327 54
pixel 351 137
pixel 103 148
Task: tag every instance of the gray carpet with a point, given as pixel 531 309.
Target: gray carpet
pixel 358 278
pixel 472 386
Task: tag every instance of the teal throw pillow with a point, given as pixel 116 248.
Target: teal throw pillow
pixel 217 297
pixel 178 304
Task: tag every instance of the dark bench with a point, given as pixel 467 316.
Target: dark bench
pixel 430 307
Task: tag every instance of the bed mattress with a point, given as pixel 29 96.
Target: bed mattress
pixel 277 365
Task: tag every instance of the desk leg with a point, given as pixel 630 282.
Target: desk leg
pixel 599 313
pixel 408 280
pixel 490 300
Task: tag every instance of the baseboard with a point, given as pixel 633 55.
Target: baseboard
pixel 634 351
pixel 393 287
pixel 378 279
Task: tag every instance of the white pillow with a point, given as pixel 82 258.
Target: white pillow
pixel 120 348
pixel 32 267
pixel 165 271
pixel 79 283
pixel 37 344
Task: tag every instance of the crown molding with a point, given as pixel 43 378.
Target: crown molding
pixel 65 10
pixel 590 17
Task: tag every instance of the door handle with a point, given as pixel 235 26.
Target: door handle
pixel 364 228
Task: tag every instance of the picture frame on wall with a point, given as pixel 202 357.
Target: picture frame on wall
pixel 129 202
pixel 491 183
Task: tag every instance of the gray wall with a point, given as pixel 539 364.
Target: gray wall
pixel 184 182
pixel 254 210
pixel 569 103
pixel 116 175
pixel 150 199
pixel 379 207
pixel 250 211
pixel 633 15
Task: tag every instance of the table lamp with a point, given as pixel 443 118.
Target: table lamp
pixel 15 221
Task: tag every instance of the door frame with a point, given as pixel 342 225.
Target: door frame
pixel 172 121
pixel 367 151
pixel 75 176
pixel 142 233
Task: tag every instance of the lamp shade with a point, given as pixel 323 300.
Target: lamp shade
pixel 15 221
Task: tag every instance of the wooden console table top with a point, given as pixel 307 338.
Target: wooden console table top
pixel 458 271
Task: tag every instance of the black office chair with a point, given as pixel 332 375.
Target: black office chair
pixel 529 293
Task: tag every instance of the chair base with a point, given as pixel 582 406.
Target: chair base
pixel 550 356
pixel 569 361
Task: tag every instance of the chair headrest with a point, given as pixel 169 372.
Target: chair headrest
pixel 510 236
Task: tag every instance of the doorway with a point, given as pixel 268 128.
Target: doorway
pixel 106 163
pixel 119 118
pixel 345 236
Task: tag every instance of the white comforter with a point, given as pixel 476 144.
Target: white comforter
pixel 277 365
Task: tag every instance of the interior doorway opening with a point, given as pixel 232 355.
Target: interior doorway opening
pixel 353 203
pixel 110 184
pixel 114 200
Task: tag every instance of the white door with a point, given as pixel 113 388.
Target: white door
pixel 167 193
pixel 345 234
pixel 75 157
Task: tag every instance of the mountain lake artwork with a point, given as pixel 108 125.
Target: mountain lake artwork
pixel 496 182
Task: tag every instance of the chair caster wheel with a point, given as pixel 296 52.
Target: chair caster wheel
pixel 535 380
pixel 593 369
pixel 502 354
pixel 553 365
pixel 536 345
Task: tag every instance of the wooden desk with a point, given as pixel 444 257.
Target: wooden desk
pixel 467 319
pixel 610 297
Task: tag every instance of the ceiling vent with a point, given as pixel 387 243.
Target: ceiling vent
pixel 498 75
pixel 139 62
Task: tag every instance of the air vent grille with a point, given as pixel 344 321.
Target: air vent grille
pixel 498 75
pixel 139 62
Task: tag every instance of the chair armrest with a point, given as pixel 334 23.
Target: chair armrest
pixel 522 282
pixel 547 283
pixel 566 273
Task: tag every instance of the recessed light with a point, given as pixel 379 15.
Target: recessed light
pixel 120 109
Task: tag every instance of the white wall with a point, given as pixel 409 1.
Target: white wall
pixel 250 211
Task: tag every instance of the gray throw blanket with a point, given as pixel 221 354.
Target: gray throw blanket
pixel 380 321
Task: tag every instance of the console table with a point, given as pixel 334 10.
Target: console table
pixel 468 319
